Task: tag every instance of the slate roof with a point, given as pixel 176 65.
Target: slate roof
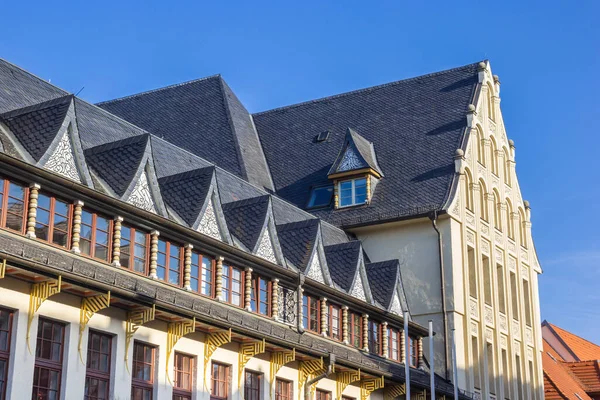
pixel 204 117
pixel 416 125
pixel 36 126
pixel 342 260
pixel 245 219
pixel 363 149
pixel 298 240
pixel 383 277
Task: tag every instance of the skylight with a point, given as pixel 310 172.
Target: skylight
pixel 320 196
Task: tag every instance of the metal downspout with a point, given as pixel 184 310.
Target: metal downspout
pixel 327 372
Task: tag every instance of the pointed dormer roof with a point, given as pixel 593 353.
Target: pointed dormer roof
pixel 298 240
pixel 357 153
pixel 246 219
pixel 343 260
pixel 35 127
pixel 386 285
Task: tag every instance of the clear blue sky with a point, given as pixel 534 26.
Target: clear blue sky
pixel 547 54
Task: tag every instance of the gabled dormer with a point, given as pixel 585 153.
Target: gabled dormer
pixel 386 285
pixel 46 135
pixel 347 267
pixel 355 172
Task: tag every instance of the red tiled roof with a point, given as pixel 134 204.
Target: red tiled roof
pixel 588 373
pixel 583 349
pixel 559 383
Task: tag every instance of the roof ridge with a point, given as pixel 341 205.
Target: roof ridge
pixel 131 96
pixel 192 173
pixel 115 144
pixel 34 75
pixel 367 89
pixel 573 334
pixel 17 112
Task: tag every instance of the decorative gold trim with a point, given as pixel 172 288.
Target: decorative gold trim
pixel 368 386
pixel 420 395
pixel 2 269
pixel 175 331
pixel 213 341
pixel 343 379
pixel 306 370
pixel 246 352
pixel 38 294
pixel 90 306
pixel 355 172
pixel 394 391
pixel 278 360
pixel 135 319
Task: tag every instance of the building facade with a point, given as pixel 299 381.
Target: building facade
pixel 132 268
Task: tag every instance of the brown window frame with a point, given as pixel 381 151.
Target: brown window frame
pixel 394 354
pixel 180 392
pixel 255 390
pixel 306 313
pixel 355 326
pixel 5 352
pixel 330 332
pixel 228 281
pixel 4 194
pixel 288 393
pixel 132 245
pixel 256 303
pixel 322 395
pixel 167 266
pixel 198 278
pixel 94 373
pixel 51 226
pixel 372 341
pixel 413 351
pixel 224 379
pixel 49 364
pixel 137 383
pixel 94 229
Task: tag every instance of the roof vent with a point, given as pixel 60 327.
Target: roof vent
pixel 323 136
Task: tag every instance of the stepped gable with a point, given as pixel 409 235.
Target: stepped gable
pixel 415 125
pixel 36 126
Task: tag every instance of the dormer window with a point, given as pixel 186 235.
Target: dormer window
pixel 353 192
pixel 320 196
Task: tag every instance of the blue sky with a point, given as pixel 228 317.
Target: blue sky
pixel 547 55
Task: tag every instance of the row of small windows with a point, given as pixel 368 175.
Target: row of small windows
pixel 496 209
pixel 482 157
pixel 352 192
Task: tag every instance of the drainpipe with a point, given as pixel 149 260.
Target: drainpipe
pixel 299 303
pixel 434 216
pixel 328 371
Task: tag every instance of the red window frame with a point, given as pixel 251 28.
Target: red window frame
pixel 142 385
pixel 228 285
pixel 311 313
pixel 219 378
pixel 94 231
pixel 413 351
pixel 263 306
pixel 128 257
pixel 6 320
pixel 48 364
pixel 283 389
pixel 394 345
pixel 165 260
pixel 98 353
pixel 198 273
pixel 183 384
pixel 335 315
pixel 322 395
pixel 356 330
pixel 51 224
pixel 374 337
pixel 252 385
pixel 5 186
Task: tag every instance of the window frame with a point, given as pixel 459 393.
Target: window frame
pixel 50 365
pixel 199 279
pixel 132 244
pixel 255 303
pixel 394 354
pixel 51 220
pixel 167 266
pixel 5 354
pixel 413 351
pixel 353 329
pixel 311 199
pixel 307 315
pixel 353 189
pixel 321 394
pixel 92 240
pixel 330 320
pixel 178 390
pixel 227 289
pixel 141 383
pixel 257 389
pixel 280 383
pixel 375 341
pixel 96 373
pixel 226 381
pixel 4 193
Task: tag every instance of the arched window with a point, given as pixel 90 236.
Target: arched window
pixel 483 202
pixel 497 211
pixel 522 228
pixel 480 146
pixel 469 190
pixel 493 156
pixel 507 177
pixel 490 103
pixel 510 225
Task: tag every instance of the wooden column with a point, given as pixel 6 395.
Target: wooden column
pixel 421 362
pixel 77 210
pixel 403 345
pixel 384 340
pixel 275 299
pixel 248 289
pixel 365 321
pixel 116 253
pixel 187 267
pixel 219 279
pixel 345 333
pixel 34 189
pixel 324 318
pixel 153 254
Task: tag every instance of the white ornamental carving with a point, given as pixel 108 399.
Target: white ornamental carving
pixel 396 306
pixel 524 254
pixel 503 323
pixel 516 330
pixel 485 246
pixel 474 328
pixel 265 247
pixel 470 219
pixel 314 269
pixel 485 229
pixel 350 161
pixel 503 341
pixel 511 246
pixel 477 395
pixel 489 315
pixel 528 335
pixel 358 290
pixel 489 335
pixel 499 256
pixel 140 196
pixel 62 160
pixel 524 272
pixel 495 181
pixel 208 224
pixel 456 208
pixel 470 238
pixel 512 264
pixel 481 169
pixel 474 308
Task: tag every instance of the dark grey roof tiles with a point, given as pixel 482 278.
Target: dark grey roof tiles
pixel 118 162
pixel 186 192
pixel 172 160
pixel 416 125
pixel 36 126
pixel 342 260
pixel 298 240
pixel 245 219
pixel 383 277
pixel 361 147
